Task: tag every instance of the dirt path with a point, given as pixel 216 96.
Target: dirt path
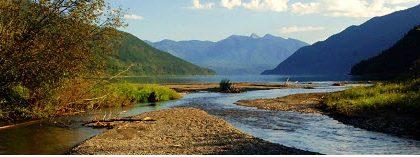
pixel 179 131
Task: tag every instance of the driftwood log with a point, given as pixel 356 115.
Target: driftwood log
pixel 108 123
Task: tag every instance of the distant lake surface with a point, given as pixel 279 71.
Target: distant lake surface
pixel 240 78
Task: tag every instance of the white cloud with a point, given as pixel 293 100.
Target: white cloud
pixel 133 17
pixel 335 8
pixel 305 8
pixel 350 8
pixel 267 5
pixel 295 29
pixel 230 4
pixel 402 1
pixel 196 4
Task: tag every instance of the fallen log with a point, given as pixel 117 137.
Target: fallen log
pixel 119 120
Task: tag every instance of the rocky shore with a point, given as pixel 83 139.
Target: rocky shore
pixel 178 131
pixel 387 122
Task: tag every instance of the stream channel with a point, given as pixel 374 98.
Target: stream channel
pixel 306 131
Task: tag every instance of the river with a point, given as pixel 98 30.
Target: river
pixel 312 132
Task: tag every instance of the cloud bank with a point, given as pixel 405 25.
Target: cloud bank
pixel 334 8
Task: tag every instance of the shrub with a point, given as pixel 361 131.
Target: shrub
pixel 226 86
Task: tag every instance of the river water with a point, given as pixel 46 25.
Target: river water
pixel 312 132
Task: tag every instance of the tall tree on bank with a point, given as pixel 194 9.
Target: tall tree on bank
pixel 44 42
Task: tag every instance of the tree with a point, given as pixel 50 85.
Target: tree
pixel 44 42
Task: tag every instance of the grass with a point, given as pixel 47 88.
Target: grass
pixel 398 97
pixel 82 95
pixel 123 93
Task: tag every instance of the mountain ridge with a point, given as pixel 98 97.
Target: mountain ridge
pixel 338 53
pixel 402 58
pixel 236 54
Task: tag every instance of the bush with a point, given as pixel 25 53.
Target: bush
pixel 226 86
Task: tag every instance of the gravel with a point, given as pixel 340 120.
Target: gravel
pixel 179 131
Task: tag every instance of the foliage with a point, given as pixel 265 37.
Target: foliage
pixel 399 97
pixel 402 58
pixel 43 43
pixel 86 94
pixel 226 86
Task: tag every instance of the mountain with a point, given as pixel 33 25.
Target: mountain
pixel 147 60
pixel 235 54
pixel 402 58
pixel 191 50
pixel 340 52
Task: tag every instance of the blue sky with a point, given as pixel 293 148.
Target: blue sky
pixel 306 20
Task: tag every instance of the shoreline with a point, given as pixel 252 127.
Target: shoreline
pixel 244 86
pixel 394 124
pixel 179 131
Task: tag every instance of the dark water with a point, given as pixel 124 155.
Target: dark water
pixel 313 132
pixel 242 78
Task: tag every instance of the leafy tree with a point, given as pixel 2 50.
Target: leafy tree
pixel 44 42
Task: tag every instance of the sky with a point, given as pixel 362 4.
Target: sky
pixel 214 20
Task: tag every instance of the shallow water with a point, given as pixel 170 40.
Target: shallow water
pixel 312 132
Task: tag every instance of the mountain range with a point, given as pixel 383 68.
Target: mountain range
pixel 235 54
pixel 340 52
pixel 146 60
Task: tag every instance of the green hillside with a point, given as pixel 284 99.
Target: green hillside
pixel 402 58
pixel 147 60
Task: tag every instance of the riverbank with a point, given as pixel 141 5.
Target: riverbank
pixel 179 131
pixel 383 120
pixel 83 97
pixel 214 87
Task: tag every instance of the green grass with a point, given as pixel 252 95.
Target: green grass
pixel 81 97
pixel 121 93
pixel 397 97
